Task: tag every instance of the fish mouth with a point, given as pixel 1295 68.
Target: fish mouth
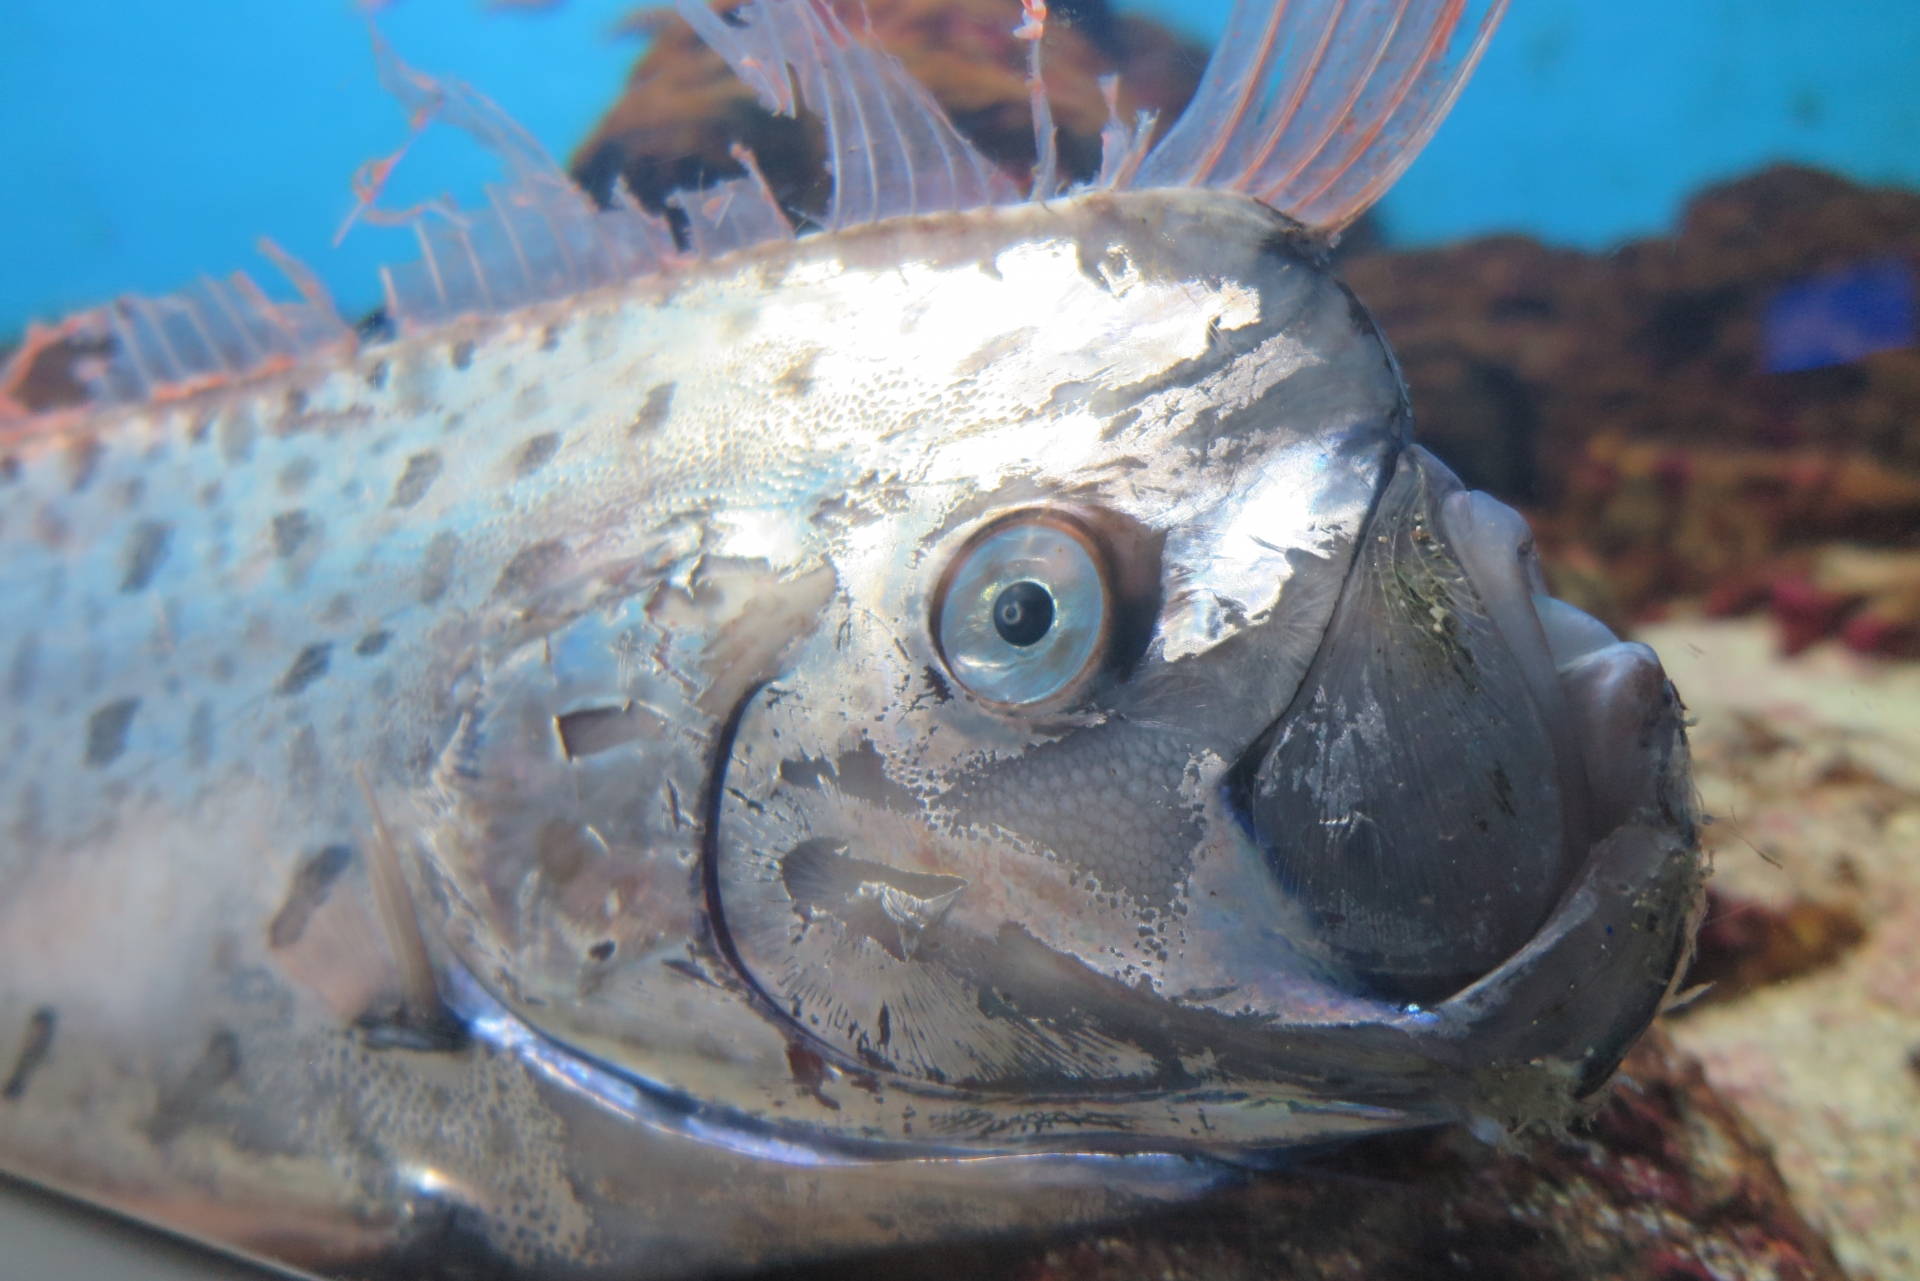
pixel 1458 746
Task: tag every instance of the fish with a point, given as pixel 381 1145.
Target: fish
pixel 687 747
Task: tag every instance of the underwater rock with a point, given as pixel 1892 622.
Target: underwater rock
pixel 1811 768
pixel 683 109
pixel 1624 398
pixel 1745 944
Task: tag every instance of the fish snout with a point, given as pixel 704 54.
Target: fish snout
pixel 1461 747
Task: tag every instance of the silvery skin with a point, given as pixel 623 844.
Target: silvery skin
pixel 522 790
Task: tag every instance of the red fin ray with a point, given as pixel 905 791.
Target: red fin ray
pixel 891 148
pixel 1316 106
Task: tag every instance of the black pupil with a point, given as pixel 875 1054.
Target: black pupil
pixel 1023 613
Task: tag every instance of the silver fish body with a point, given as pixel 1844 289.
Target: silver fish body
pixel 780 880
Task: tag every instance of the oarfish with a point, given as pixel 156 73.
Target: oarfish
pixel 692 747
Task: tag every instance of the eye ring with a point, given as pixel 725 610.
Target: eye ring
pixel 1024 612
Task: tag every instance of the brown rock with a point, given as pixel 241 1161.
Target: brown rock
pixel 1621 398
pixel 683 108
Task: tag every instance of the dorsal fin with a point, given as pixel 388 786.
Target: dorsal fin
pixel 1316 106
pixel 539 236
pixel 891 148
pixel 135 349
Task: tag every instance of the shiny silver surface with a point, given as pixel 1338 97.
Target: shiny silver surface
pixel 502 797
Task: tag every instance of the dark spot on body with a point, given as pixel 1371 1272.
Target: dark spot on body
pixel 937 685
pixel 146 551
pixel 530 568
pixel 34 1049
pixel 537 453
pixel 83 462
pixel 886 1025
pixel 9 469
pixel 654 411
pixel 132 491
pixel 550 338
pixel 303 761
pixel 23 668
pixel 377 376
pixel 296 403
pixel 436 567
pixel 798 378
pixel 602 951
pixel 178 1107
pixel 200 735
pixel 297 475
pixel 309 665
pixel 312 881
pixel 463 353
pixel 372 643
pixel 107 731
pixel 421 471
pixel 292 531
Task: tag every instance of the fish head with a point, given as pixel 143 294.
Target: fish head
pixel 1052 673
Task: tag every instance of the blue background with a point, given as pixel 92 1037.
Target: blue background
pixel 142 143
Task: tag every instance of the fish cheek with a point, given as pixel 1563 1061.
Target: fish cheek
pixel 890 936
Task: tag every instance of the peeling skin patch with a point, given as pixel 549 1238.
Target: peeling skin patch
pixel 146 552
pixel 33 1052
pixel 421 471
pixel 107 731
pixel 309 666
pixel 312 882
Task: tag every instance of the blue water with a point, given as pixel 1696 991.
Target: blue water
pixel 143 143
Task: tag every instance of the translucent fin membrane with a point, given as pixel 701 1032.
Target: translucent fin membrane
pixel 733 214
pixel 135 349
pixel 538 238
pixel 891 149
pixel 1121 149
pixel 1316 106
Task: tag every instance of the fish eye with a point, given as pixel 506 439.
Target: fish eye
pixel 1022 615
